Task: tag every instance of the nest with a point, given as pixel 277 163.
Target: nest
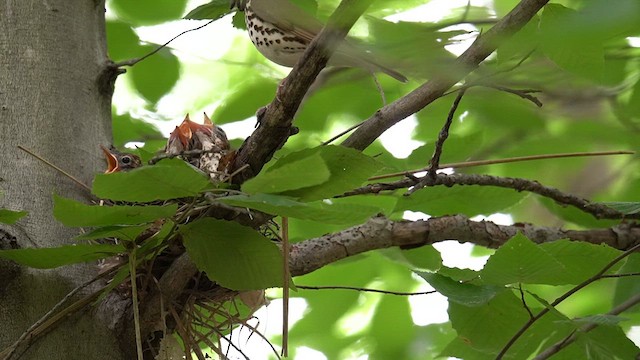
pixel 181 310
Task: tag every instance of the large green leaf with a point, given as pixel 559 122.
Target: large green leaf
pixel 556 263
pixel 10 216
pixel 72 213
pixel 484 330
pixel 48 258
pixel 349 169
pixel 604 343
pixel 320 211
pixel 168 179
pixel 148 12
pixel 232 255
pixel 468 200
pixel 563 43
pixel 156 75
pixel 295 175
pixel 462 293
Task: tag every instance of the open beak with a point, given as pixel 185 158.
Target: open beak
pixel 112 160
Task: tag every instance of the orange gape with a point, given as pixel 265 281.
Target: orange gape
pixel 117 161
pixel 213 151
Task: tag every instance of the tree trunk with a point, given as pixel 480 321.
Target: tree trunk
pixel 55 101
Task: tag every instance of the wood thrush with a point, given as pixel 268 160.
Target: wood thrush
pixel 281 31
pixel 119 161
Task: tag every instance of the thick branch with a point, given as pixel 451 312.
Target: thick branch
pixel 275 122
pixel 380 232
pixel 416 100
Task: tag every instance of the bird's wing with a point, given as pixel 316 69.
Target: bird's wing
pixel 288 17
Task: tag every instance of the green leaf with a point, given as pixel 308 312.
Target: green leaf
pixel 168 179
pixel 605 343
pixel 156 75
pixel 295 175
pixel 232 255
pixel 468 200
pixel 122 232
pixel 148 12
pixel 555 263
pixel 484 330
pixel 122 42
pixel 519 260
pixel 459 292
pixel 48 258
pixel 349 169
pixel 424 258
pixel 624 207
pixel 567 46
pixel 10 216
pixel 215 9
pixel 72 213
pixel 320 211
pixel 126 129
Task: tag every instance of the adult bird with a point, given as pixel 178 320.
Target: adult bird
pixel 281 31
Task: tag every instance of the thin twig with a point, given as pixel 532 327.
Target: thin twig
pixel 434 163
pixel 524 302
pixel 365 290
pixel 572 291
pixel 55 167
pixel 444 135
pixel 467 164
pixel 187 153
pixel 134 292
pixel 599 211
pixel 132 62
pixel 285 287
pixel 555 348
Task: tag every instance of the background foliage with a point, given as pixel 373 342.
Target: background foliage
pixel 578 56
pixel 581 55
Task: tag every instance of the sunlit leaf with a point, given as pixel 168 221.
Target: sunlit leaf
pixel 342 213
pixel 48 258
pixel 468 200
pixel 295 175
pixel 349 169
pixel 72 213
pixel 232 255
pixel 168 179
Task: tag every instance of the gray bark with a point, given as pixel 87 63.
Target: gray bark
pixel 55 101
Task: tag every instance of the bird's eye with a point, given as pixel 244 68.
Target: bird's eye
pixel 126 159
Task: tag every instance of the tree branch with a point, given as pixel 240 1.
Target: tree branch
pixel 380 233
pixel 277 118
pixel 599 211
pixel 416 100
